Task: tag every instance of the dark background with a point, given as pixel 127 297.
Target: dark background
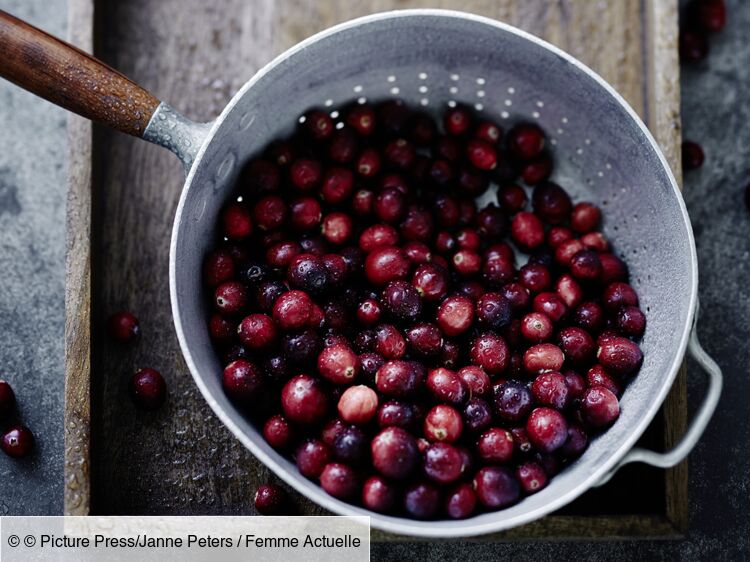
pixel 715 112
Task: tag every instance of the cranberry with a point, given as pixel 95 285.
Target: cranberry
pixel 577 345
pixel 455 315
pixel 557 235
pixel 477 415
pixel 148 389
pixel 535 277
pixel 550 389
pixel 339 480
pixel 389 205
pixel 306 174
pixel 311 457
pixel 386 264
pixel 362 202
pixel 394 453
pixel 527 230
pixel 536 327
pixel 495 445
pixel 445 242
pixel 231 297
pixel 575 383
pixel 551 202
pixel 399 378
pixel 599 407
pixel 18 441
pixel 124 327
pixel 257 331
pixel 711 15
pixel 305 213
pixel 461 502
pixel 613 268
pixel 236 221
pixel 475 380
pixel 569 290
pixel 489 132
pixel 422 501
pixel 281 253
pixel 442 463
pixel 457 120
pixel 446 211
pixel 368 312
pixel 242 381
pixel 543 357
pixel 693 46
pixel 7 399
pixel 379 495
pixel 512 400
pixel 521 440
pixel 301 348
pixel 443 423
pixel 338 184
pixel 376 236
pixel 358 404
pixel 490 352
pixel 450 354
pixel 303 400
pixel 496 487
pixel 389 342
pixel 597 375
pixel 446 386
pixel 401 300
pixel 468 239
pixel 491 223
pixel 338 364
pixel 292 310
pixel 585 217
pixel 350 445
pixel 394 413
pixel 277 432
pixel 586 266
pixel 318 124
pixel 270 499
pixel 551 305
pixel 512 198
pixel 596 241
pixel 466 263
pixel 497 271
pixel 270 212
pixel 343 146
pixel 493 311
pixel 526 141
pixel 589 316
pixel 481 154
pixel 576 442
pixel 417 252
pixel 547 429
pixel 518 296
pixel 531 476
pixel 537 170
pixel 431 281
pixel 566 250
pixel 218 267
pixel 631 321
pixel 362 119
pixel 281 152
pixel 620 355
pixel 424 339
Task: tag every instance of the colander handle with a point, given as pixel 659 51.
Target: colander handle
pixel 702 417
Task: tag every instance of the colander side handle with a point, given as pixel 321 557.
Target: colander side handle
pixel 694 432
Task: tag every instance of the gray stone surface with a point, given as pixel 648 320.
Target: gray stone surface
pixel 716 110
pixel 33 153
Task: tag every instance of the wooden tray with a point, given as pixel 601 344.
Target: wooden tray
pixel 122 197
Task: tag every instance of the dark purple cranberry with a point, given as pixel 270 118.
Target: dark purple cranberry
pixel 267 293
pixel 526 141
pixel 512 400
pixel 148 389
pixel 365 341
pixel 398 414
pixel 394 453
pixel 631 321
pixel 473 183
pixel 18 441
pixel 576 442
pixel 477 415
pixel 443 463
pixel 424 339
pixel 401 300
pixel 498 271
pixel 537 170
pixel 270 212
pixel 233 353
pixel 589 316
pixel 496 487
pixel 315 245
pixel 491 223
pixel 517 295
pixel 311 457
pixel 551 202
pixel 586 266
pixel 351 445
pixel 417 225
pixel 422 501
pixel 123 326
pixel 461 501
pixel 493 311
pixel 270 499
pixel 7 399
pixel 450 353
pixel 301 348
pixel 303 400
pixel 309 273
pixel 400 378
pixel 693 46
pixel 379 495
pixel 343 146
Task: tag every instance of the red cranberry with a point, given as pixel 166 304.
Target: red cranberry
pixel 446 211
pixel 577 345
pixel 497 271
pixel 557 235
pixel 535 277
pixel 527 230
pixel 443 463
pixel 585 217
pixel 490 352
pixel 466 263
pixel 242 381
pixel 450 354
pixel 389 342
pixel 424 339
pixel 394 453
pixel 597 375
pixel 495 446
pixel 386 264
pixel 369 365
pixel 475 380
pixel 446 386
pixel 305 213
pixel 303 400
pixel 270 499
pixel 292 310
pixel 551 305
pixel 521 440
pixel 358 404
pixel 512 198
pixel 362 202
pixel 550 389
pixel 569 290
pixel 472 289
pixel 257 331
pixel 551 202
pixel 281 152
pixel 343 146
pixel 431 281
pixel 218 267
pixel 401 300
pixel 318 124
pixel 613 268
pixel 443 423
pixel 337 228
pixel 379 495
pixel 496 487
pixel 422 501
pixel 526 141
pixel 417 252
pixel 260 176
pixel 339 480
pixel 693 46
pixel 536 327
pixel 620 355
pixel 18 441
pixel 512 400
pixel 368 312
pixel 417 225
pixel 311 457
pixel 481 154
pixel 231 297
pixel 338 184
pixel 518 296
pixel 537 170
pixel 531 476
pixel 489 132
pixel 457 120
pixel 376 236
pixel 123 326
pixel 631 321
pixel 461 502
pixel 281 253
pixel 362 119
pixel 455 315
pixel 270 212
pixel 400 153
pixel 148 389
pixel 595 241
pixel 575 383
pixel 599 407
pixel 586 266
pixel 543 357
pixel 547 429
pixel 389 205
pixel 566 250
pixel 277 432
pixel 399 378
pixel 7 399
pixel 589 316
pixel 576 442
pixel 338 364
pixel 306 174
pixel 236 221
pixel 444 242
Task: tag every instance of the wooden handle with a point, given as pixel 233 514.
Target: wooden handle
pixel 72 79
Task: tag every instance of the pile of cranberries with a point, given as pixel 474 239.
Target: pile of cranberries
pixel 380 329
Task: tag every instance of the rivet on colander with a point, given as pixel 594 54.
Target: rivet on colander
pixel 423 89
pixel 357 88
pixel 391 78
pixel 423 76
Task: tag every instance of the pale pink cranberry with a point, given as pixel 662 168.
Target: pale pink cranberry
pixel 358 404
pixel 543 357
